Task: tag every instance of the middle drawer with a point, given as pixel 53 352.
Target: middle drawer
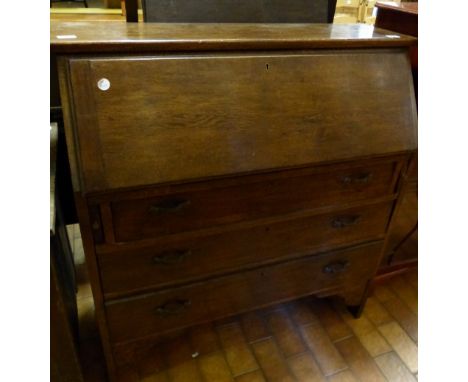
pixel 215 203
pixel 170 260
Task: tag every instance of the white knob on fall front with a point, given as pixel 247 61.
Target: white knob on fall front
pixel 103 84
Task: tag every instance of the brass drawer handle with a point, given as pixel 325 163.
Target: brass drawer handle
pixel 173 307
pixel 338 267
pixel 345 221
pixel 171 257
pixel 359 178
pixel 170 205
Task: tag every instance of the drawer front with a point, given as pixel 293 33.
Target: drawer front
pixel 187 210
pixel 173 260
pixel 170 118
pixel 206 301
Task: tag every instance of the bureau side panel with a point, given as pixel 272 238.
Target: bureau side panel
pixel 180 117
pixel 68 116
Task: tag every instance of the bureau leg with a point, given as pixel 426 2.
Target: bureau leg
pixel 356 300
pixel 356 310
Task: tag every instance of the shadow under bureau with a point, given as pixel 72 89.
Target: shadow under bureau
pixel 222 168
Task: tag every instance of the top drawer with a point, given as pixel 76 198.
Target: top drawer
pixel 168 210
pixel 168 118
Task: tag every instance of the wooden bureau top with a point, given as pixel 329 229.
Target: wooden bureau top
pixel 110 36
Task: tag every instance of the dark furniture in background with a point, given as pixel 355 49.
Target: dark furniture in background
pixel 239 11
pixel 85 2
pixel 64 189
pixel 401 18
pixel 402 251
pixel 64 361
pixel 233 11
pixel 207 185
pixel 131 11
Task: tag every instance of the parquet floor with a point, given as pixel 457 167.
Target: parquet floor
pixel 306 340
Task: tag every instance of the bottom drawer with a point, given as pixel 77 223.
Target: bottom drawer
pixel 192 304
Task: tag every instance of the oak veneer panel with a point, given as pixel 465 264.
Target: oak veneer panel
pixel 224 296
pixel 86 136
pixel 242 112
pixel 199 257
pixel 356 179
pixel 153 37
pixel 263 196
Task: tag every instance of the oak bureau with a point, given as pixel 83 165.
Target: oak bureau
pixel 222 168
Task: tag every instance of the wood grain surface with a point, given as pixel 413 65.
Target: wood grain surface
pixel 216 204
pixel 207 116
pixel 174 261
pixel 205 301
pixel 115 36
